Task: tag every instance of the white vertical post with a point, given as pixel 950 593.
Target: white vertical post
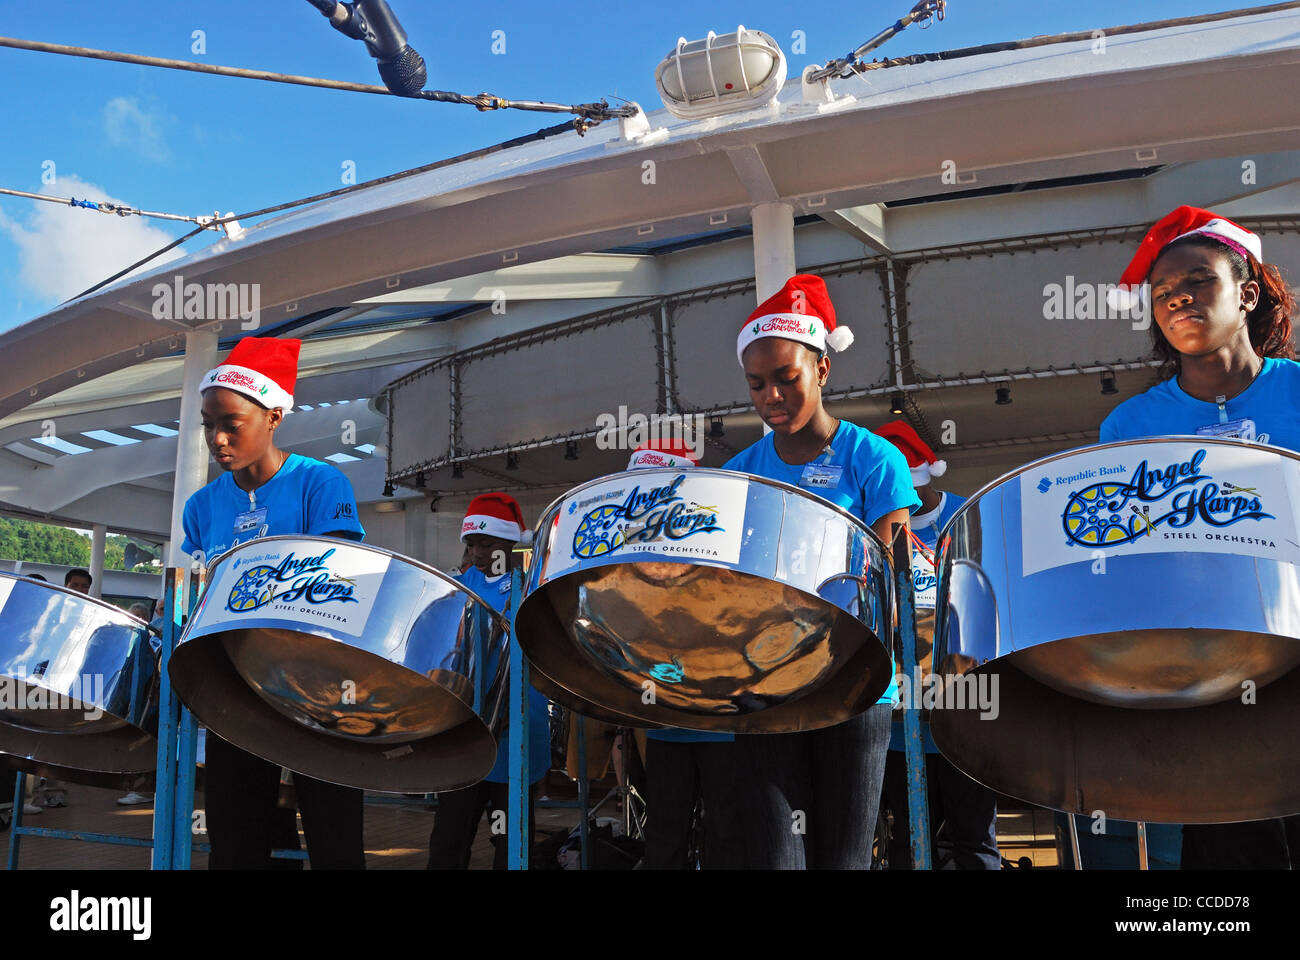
pixel 191 450
pixel 98 532
pixel 773 251
pixel 773 247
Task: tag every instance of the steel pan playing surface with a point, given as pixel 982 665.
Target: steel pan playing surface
pixel 1138 606
pixel 709 600
pixel 347 663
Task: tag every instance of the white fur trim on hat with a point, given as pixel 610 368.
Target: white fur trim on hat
pixel 490 526
pixel 1229 231
pixel 920 475
pixel 788 326
pixel 643 459
pixel 253 384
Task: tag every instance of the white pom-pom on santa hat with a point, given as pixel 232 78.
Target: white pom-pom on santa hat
pixel 938 468
pixel 839 339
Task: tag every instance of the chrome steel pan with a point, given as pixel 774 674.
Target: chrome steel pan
pixel 709 600
pixel 347 663
pixel 78 686
pixel 1138 606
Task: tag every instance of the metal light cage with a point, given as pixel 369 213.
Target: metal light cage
pixel 721 74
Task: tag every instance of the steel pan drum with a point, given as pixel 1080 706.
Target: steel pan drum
pixel 78 686
pixel 709 600
pixel 346 663
pixel 1138 606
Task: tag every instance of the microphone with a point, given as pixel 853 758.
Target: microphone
pixel 373 22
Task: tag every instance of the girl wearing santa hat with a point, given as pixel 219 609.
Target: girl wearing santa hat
pixel 832 775
pixel 492 526
pixel 264 491
pixel 1222 332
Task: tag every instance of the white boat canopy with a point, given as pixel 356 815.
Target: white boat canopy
pixel 498 304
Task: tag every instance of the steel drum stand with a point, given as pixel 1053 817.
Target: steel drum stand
pixel 178 732
pixel 1144 862
pixel 18 830
pixel 918 803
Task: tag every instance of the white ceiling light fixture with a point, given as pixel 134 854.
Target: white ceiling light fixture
pixel 721 74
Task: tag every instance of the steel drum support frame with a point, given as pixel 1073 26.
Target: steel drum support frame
pixel 918 802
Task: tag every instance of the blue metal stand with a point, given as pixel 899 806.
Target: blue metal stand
pixel 518 838
pixel 918 807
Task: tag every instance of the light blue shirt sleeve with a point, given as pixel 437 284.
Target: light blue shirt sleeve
pixel 332 507
pixel 889 486
pixel 190 524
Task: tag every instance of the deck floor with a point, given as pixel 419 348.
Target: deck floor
pixel 397 837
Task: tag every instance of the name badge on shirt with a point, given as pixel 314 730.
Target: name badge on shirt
pixel 250 521
pixel 821 476
pixel 1243 429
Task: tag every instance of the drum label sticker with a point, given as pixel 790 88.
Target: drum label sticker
pixel 925 582
pixel 1158 498
pixel 313 582
pixel 821 476
pixel 694 518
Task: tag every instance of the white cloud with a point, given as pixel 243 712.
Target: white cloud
pixel 126 125
pixel 63 250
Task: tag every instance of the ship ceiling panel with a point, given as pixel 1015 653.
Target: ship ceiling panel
pixel 560 385
pixel 986 313
pixel 420 414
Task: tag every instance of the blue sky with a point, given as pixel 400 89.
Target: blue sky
pixel 189 143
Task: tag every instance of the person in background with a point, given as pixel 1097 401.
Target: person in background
pixel 832 775
pixel 78 579
pixel 492 526
pixel 963 814
pixel 686 767
pixel 1223 336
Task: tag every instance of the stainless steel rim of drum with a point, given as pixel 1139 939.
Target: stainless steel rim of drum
pixel 1155 677
pixel 384 702
pixel 80 686
pixel 784 627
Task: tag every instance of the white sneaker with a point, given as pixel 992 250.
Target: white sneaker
pixel 31 808
pixel 133 798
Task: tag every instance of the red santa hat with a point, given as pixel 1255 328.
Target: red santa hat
pixel 662 453
pixel 265 369
pixel 1183 222
pixel 495 515
pixel 920 458
pixel 801 310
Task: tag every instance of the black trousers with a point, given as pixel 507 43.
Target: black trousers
pixel 456 822
pixel 240 793
pixel 811 799
pixel 678 774
pixel 966 811
pixel 1253 845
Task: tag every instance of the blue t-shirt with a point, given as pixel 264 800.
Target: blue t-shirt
pixel 1271 403
pixel 874 480
pixel 496 591
pixel 305 496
